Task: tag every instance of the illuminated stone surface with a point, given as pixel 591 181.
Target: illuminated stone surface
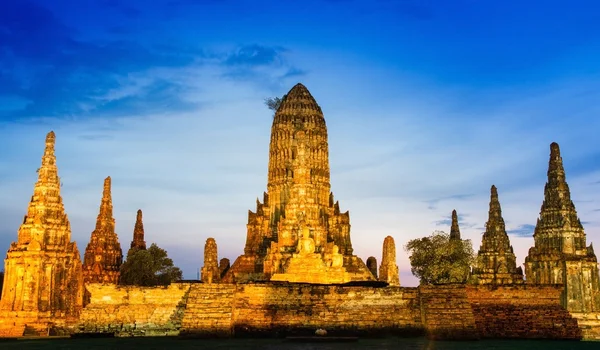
pixel 43 285
pixel 210 270
pixel 560 254
pixel 496 262
pixel 138 233
pixel 299 195
pixel 103 255
pixel 388 271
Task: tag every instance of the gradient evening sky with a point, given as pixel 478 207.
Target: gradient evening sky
pixel 427 103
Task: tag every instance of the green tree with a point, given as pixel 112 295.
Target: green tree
pixel 149 267
pixel 437 259
pixel 273 103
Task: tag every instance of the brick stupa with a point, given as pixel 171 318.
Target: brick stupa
pixel 138 233
pixel 43 285
pixel 103 255
pixel 496 262
pixel 560 254
pixel 298 231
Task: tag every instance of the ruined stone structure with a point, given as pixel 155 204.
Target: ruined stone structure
pixel 43 283
pixel 138 233
pixel 560 254
pixel 388 271
pixel 103 255
pixel 224 265
pixel 454 229
pixel 372 265
pixel 210 270
pixel 264 309
pixel 496 262
pixel 298 225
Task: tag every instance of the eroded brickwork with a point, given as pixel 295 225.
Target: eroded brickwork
pixel 43 283
pixel 496 262
pixel 560 254
pixel 299 198
pixel 210 271
pixel 103 255
pixel 388 271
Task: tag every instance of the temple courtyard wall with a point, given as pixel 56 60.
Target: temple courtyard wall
pixel 281 309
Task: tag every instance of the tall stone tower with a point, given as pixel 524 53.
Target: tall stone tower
pixel 299 199
pixel 43 279
pixel 454 228
pixel 560 255
pixel 496 262
pixel 103 255
pixel 138 233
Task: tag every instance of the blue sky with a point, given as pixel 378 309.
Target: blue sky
pixel 428 103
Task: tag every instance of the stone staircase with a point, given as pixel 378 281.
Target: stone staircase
pixel 209 311
pixel 446 312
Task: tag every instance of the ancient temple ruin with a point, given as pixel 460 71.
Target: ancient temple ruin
pixel 43 282
pixel 560 254
pixel 388 271
pixel 210 270
pixel 454 228
pixel 496 262
pixel 372 265
pixel 298 220
pixel 138 241
pixel 103 255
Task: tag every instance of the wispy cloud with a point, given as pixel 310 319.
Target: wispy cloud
pixel 525 230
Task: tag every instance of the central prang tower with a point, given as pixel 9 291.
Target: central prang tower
pixel 298 229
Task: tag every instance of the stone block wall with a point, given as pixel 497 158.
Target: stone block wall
pixel 134 311
pixel 521 311
pixel 279 309
pixel 302 308
pixel 447 313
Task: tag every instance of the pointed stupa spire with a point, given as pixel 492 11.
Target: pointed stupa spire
pixel 105 217
pixel 454 229
pixel 299 101
pixel 495 224
pixel 138 233
pixel 46 202
pixel 496 261
pixel 103 255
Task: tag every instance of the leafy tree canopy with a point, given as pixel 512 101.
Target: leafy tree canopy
pixel 149 267
pixel 437 259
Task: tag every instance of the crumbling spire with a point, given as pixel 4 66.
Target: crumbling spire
pixel 103 255
pixel 388 271
pixel 138 233
pixel 454 229
pixel 210 270
pixel 372 265
pixel 43 268
pixel 496 262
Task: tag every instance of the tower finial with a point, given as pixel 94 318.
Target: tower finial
pixel 454 229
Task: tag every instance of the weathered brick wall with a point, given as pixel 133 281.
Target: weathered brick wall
pixel 447 313
pixel 209 310
pixel 450 311
pixel 134 311
pixel 302 308
pixel 521 312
